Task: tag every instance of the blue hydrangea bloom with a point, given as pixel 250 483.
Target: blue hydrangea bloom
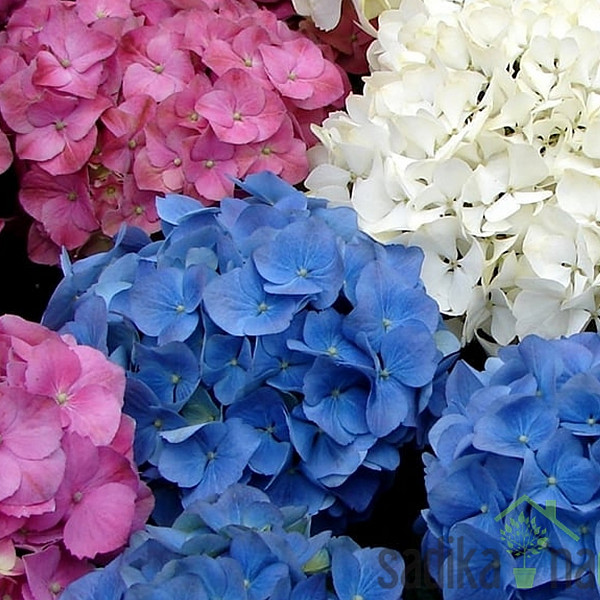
pixel 240 546
pixel 267 341
pixel 513 485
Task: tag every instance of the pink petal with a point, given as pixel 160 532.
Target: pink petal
pixel 69 223
pixel 277 62
pixel 49 72
pixel 96 369
pixel 17 94
pixel 83 117
pixel 86 48
pixel 36 432
pixel 249 98
pixel 40 480
pixel 144 505
pixel 308 57
pixel 101 522
pixel 40 248
pixel 73 157
pixel 173 179
pixel 11 475
pixel 220 57
pixel 214 184
pixel 218 107
pixel 52 567
pixel 89 10
pixel 122 442
pixel 53 369
pixel 9 525
pixel 94 413
pixel 139 79
pixel 147 176
pixel 129 116
pixel 328 88
pixel 53 107
pixel 41 144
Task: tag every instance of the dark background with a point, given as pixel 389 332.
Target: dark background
pixel 26 287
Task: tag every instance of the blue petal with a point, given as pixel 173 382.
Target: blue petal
pixel 271 189
pixel 90 326
pixel 383 304
pixel 517 426
pixel 388 405
pixel 171 371
pixel 237 303
pixel 302 259
pixel 409 354
pixel 239 505
pixel 232 444
pixel 183 463
pixel 157 303
pixel 345 570
pixel 173 207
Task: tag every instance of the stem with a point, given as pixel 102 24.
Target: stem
pixel 524 556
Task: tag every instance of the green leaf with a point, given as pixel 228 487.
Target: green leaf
pixel 522 517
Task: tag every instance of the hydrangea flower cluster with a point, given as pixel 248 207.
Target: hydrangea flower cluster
pixel 69 491
pixel 477 139
pixel 514 481
pixel 240 546
pixel 268 341
pixel 110 102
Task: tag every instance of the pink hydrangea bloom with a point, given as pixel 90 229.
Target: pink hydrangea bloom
pixel 135 207
pixel 152 63
pixel 124 132
pixel 129 98
pixel 300 72
pixel 238 111
pixel 50 571
pixel 86 387
pixel 73 62
pixel 210 164
pixel 90 11
pixel 282 153
pixel 62 204
pixel 69 489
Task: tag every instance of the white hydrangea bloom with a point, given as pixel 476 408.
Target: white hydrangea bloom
pixel 477 137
